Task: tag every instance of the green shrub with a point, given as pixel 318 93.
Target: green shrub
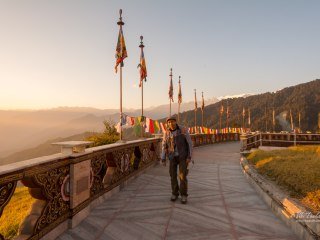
pixel 109 135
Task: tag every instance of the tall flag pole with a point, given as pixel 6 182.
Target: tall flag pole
pixel 291 120
pixel 179 99
pixel 273 115
pixel 319 121
pixel 243 116
pixel 299 119
pixel 121 54
pixel 221 112
pixel 249 118
pixel 170 90
pixel 266 117
pixel 273 120
pixel 143 76
pixel 202 110
pixel 228 114
pixel 195 110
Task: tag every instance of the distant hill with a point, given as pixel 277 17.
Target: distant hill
pixel 163 110
pixel 25 129
pixel 303 98
pixel 43 149
pixel 22 129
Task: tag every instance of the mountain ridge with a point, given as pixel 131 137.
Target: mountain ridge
pixel 27 129
pixel 303 98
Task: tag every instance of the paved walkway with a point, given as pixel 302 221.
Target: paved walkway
pixel 221 205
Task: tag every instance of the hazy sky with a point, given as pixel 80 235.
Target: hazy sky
pixel 61 52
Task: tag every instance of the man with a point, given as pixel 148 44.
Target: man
pixel 177 146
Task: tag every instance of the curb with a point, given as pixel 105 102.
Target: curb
pixel 281 205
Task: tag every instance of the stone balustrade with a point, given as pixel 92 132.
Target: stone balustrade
pixel 67 185
pixel 254 140
pixel 203 139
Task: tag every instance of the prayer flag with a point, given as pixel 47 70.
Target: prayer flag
pixel 143 68
pixel 179 93
pixel 121 50
pixel 171 90
pixel 202 104
pixel 195 101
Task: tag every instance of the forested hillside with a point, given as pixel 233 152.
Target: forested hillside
pixel 303 98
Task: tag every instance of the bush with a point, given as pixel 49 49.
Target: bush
pixel 109 135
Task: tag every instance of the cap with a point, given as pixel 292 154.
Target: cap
pixel 171 118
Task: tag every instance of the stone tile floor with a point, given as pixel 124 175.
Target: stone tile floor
pixel 221 205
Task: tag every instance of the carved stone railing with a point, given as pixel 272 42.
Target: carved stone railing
pixel 254 140
pixel 66 184
pixel 204 139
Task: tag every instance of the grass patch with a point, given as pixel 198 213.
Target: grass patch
pixel 15 212
pixel 297 169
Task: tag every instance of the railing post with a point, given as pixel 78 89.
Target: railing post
pixel 295 139
pixel 260 139
pixel 243 142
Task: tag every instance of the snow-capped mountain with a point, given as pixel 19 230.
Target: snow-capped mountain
pixel 244 95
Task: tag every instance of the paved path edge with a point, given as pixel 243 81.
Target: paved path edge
pixel 280 204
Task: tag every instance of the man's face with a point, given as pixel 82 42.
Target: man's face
pixel 172 124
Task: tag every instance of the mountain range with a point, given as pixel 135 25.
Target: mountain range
pixel 23 129
pixel 303 98
pixel 29 134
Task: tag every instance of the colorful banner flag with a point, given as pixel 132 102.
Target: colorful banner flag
pixel 130 121
pixel 273 118
pixel 156 127
pixel 291 120
pixel 121 50
pixel 202 104
pixel 171 90
pixel 221 109
pixel 149 126
pixel 179 93
pixel 195 101
pixel 143 68
pixel 163 127
pixel 228 112
pixel 123 119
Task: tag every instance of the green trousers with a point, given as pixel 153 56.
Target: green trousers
pixel 183 171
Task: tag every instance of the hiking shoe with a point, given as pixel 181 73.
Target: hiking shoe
pixel 183 199
pixel 173 197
